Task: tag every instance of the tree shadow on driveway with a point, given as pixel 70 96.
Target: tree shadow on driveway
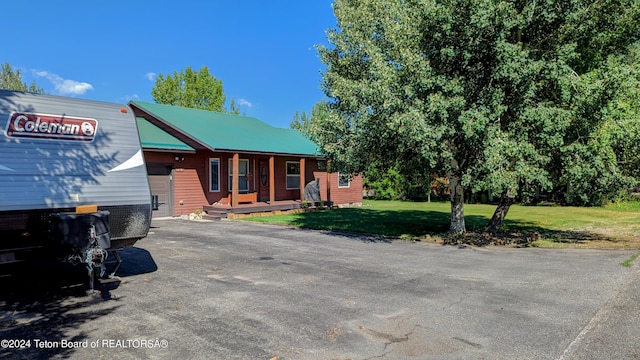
pixel 46 301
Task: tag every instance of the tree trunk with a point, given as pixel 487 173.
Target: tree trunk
pixel 457 203
pixel 501 212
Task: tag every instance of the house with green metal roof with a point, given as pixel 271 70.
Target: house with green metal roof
pixel 198 159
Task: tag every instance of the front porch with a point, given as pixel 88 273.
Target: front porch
pixel 218 211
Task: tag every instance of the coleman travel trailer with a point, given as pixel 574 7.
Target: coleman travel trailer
pixel 72 179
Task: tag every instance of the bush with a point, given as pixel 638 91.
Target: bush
pixel 389 185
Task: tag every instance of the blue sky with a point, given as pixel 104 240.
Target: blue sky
pixel 263 51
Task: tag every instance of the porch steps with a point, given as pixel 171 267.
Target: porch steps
pixel 214 215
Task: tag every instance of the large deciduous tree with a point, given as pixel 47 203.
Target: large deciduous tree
pixel 192 89
pixel 11 79
pixel 490 92
pixel 303 122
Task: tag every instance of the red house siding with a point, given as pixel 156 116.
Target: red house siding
pixel 282 193
pixel 346 195
pixel 188 190
pixel 151 157
pixel 191 179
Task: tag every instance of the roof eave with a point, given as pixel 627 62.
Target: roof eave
pixel 169 125
pixel 319 156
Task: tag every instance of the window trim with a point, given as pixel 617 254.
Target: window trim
pixel 343 186
pixel 210 176
pixel 287 175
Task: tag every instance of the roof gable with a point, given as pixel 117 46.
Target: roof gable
pixel 220 131
pixel 152 137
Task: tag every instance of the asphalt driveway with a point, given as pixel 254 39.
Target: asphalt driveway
pixel 236 290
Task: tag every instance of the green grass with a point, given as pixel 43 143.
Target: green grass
pixel 627 263
pixel 614 226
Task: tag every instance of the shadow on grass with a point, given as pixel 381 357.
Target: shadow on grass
pixel 46 300
pixel 387 225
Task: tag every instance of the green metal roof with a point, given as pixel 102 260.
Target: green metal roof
pixel 220 131
pixel 152 137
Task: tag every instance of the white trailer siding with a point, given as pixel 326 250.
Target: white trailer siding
pixel 45 169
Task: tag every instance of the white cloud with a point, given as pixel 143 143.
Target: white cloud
pixel 65 86
pixel 151 76
pixel 244 102
pixel 73 87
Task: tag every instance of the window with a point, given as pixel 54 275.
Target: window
pixel 243 178
pixel 293 175
pixel 344 180
pixel 214 175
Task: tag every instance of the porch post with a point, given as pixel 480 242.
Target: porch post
pixel 272 178
pixel 235 182
pixel 302 182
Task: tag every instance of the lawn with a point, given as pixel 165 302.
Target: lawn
pixel 614 226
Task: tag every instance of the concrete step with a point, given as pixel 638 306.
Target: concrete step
pixel 214 215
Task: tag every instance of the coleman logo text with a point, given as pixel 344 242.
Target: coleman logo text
pixel 57 127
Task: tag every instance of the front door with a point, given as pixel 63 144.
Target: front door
pixel 263 180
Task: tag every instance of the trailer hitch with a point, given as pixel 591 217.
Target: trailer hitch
pixel 95 257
